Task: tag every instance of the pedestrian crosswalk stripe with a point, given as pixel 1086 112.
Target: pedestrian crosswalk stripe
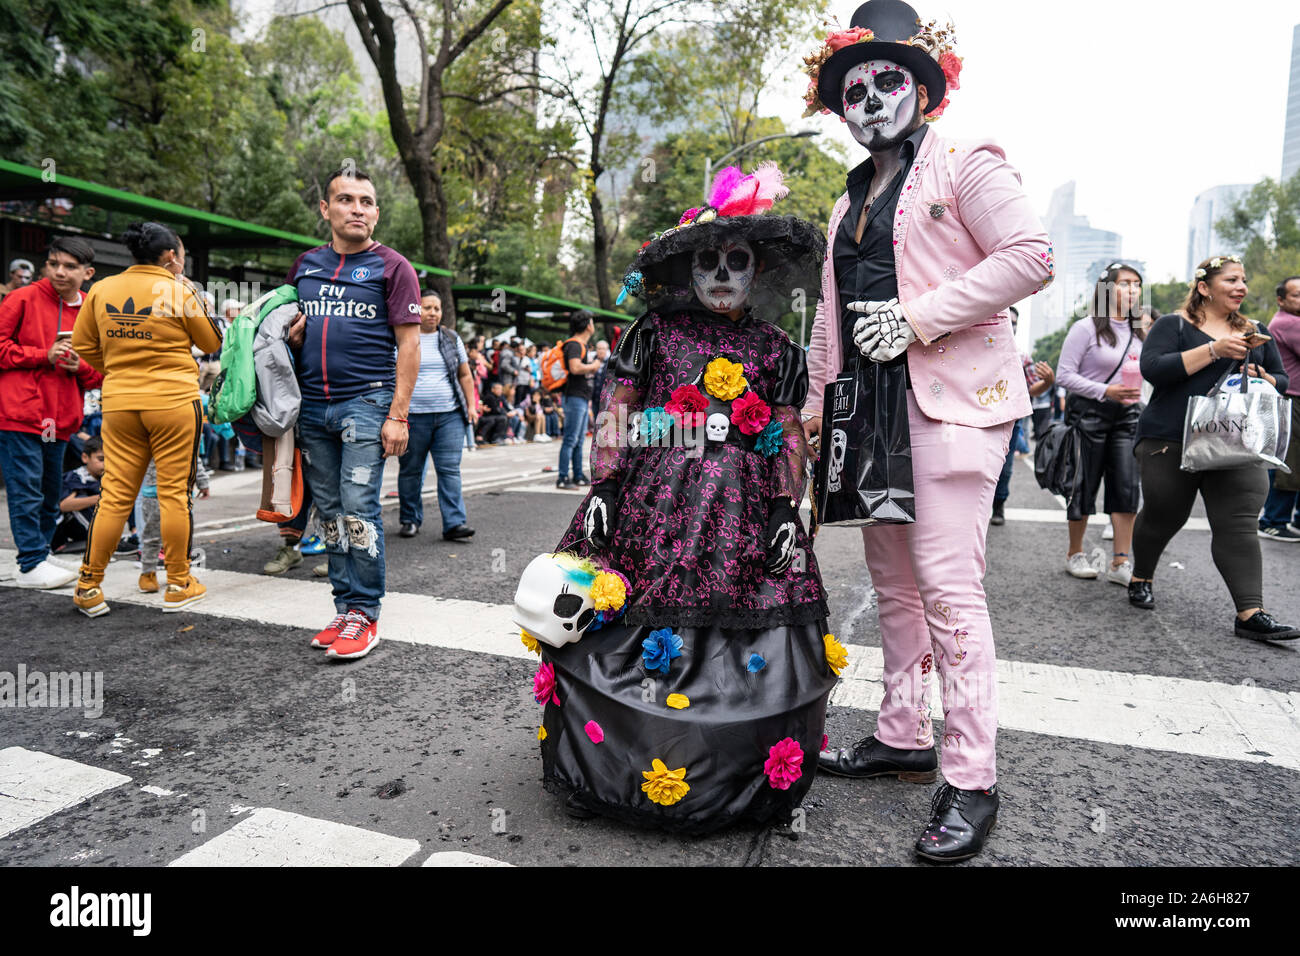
pixel 460 858
pixel 1200 718
pixel 269 837
pixel 35 785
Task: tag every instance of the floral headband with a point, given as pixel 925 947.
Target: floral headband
pixel 938 43
pixel 1217 263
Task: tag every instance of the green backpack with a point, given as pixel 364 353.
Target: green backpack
pixel 235 390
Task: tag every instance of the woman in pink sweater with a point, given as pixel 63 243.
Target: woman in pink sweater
pixel 1099 369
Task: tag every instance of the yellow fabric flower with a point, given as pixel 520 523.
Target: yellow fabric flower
pixel 608 592
pixel 665 787
pixel 836 654
pixel 530 642
pixel 541 733
pixel 724 379
pixel 678 701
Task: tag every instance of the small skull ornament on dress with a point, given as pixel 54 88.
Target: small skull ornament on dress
pixel 880 103
pixel 723 275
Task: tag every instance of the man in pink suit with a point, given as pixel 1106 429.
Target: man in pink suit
pixel 931 243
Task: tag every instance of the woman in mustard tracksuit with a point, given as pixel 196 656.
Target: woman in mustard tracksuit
pixel 137 328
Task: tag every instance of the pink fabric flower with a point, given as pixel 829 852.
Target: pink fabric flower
pixel 750 413
pixel 842 38
pixel 686 401
pixel 826 742
pixel 688 215
pixel 950 63
pixel 784 764
pixel 544 685
pixel 594 732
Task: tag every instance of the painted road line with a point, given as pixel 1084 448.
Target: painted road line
pixel 269 837
pixel 34 785
pixel 1203 718
pixel 1200 718
pixel 461 858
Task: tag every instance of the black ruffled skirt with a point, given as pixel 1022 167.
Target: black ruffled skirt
pixel 748 718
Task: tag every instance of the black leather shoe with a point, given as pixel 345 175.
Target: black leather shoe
pixel 409 530
pixel 998 517
pixel 870 758
pixel 459 533
pixel 960 822
pixel 1261 626
pixel 582 482
pixel 1139 594
pixel 574 808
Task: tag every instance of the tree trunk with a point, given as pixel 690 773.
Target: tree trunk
pixel 600 250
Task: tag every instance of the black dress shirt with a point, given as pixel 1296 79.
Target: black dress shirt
pixel 864 271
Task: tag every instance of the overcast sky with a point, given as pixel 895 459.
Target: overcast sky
pixel 1143 103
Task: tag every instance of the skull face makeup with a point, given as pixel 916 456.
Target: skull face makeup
pixel 723 275
pixel 880 103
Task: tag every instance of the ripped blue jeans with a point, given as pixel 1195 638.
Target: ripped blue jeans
pixel 343 456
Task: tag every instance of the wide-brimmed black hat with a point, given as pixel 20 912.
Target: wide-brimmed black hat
pixel 892 24
pixel 789 251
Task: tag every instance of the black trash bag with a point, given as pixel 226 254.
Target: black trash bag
pixel 864 473
pixel 1058 460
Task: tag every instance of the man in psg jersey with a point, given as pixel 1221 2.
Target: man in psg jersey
pixel 358 347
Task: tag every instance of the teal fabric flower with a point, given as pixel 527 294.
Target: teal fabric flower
pixel 769 441
pixel 756 663
pixel 655 424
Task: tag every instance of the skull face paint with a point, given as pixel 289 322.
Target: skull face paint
pixel 880 103
pixel 723 275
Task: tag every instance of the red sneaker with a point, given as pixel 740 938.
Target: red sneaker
pixel 331 633
pixel 356 639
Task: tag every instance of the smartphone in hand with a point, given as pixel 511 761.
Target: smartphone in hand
pixel 1256 339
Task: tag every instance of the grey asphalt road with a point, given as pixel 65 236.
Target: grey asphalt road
pixel 438 745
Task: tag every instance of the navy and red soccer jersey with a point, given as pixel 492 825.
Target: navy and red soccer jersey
pixel 351 302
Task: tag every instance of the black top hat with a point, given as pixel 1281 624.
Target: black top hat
pixel 892 23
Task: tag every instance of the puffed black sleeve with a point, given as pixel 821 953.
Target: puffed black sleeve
pixel 791 377
pixel 631 362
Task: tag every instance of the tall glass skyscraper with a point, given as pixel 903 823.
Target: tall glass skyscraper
pixel 1291 139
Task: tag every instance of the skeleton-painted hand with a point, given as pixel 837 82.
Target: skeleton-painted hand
pixel 883 332
pixel 597 520
pixel 782 525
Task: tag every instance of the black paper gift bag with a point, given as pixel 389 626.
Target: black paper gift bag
pixel 864 473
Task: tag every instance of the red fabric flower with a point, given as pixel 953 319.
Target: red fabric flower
pixel 784 764
pixel 750 413
pixel 685 398
pixel 950 63
pixel 935 113
pixel 842 38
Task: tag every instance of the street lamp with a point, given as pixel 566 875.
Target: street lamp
pixel 708 163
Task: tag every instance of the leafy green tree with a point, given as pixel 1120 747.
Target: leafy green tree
pixel 1266 224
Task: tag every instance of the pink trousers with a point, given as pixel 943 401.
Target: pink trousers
pixel 934 619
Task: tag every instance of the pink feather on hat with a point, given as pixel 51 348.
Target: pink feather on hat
pixel 737 195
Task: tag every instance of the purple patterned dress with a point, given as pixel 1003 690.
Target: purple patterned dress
pixel 689 533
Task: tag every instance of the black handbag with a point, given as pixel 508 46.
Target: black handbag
pixel 1058 460
pixel 864 473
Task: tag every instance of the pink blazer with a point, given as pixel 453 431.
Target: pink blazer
pixel 967 245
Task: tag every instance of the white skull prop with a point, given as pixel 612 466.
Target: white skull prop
pixel 839 445
pixel 553 601
pixel 880 103
pixel 717 426
pixel 723 275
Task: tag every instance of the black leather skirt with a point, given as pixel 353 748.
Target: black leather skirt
pixel 1107 433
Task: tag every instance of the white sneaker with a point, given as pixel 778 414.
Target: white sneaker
pixel 1109 533
pixel 1122 574
pixel 1079 566
pixel 46 576
pixel 72 563
pixel 9 572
